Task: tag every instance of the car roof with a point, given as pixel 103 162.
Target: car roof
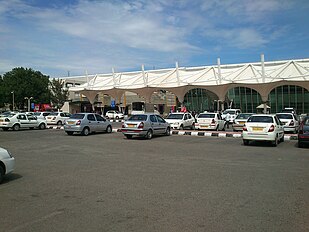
pixel 285 113
pixel 270 115
pixel 145 114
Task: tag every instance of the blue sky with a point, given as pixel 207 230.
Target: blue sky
pixel 58 36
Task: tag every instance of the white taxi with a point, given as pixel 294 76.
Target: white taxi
pixel 181 120
pixel 210 121
pixel 114 114
pixel 57 118
pixel 15 121
pixel 263 127
pixel 291 123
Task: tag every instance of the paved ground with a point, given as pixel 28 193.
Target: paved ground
pixel 104 182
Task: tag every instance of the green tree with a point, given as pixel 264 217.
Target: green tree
pixel 25 82
pixel 59 95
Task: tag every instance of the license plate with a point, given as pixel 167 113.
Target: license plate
pixel 131 125
pixel 1 120
pixel 257 128
pixel 241 123
pixel 204 126
pixel 71 122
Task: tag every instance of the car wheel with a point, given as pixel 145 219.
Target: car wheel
pixel 1 174
pixel 168 131
pixel 59 123
pixel 16 127
pixel 181 127
pixel 223 129
pixel 246 142
pixel 85 131
pixel 117 117
pixel 282 139
pixel 129 136
pixel 42 126
pixel 300 145
pixel 109 129
pixel 70 132
pixel 5 128
pixel 149 134
pixel 275 142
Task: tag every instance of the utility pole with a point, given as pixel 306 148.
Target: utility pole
pixel 13 100
pixel 29 99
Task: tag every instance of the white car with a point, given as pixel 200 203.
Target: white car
pixel 210 121
pixel 7 163
pixel 114 114
pixel 181 120
pixel 233 114
pixel 263 127
pixel 291 124
pixel 41 114
pixel 57 118
pixel 16 121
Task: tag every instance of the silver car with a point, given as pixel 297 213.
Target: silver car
pixel 86 123
pixel 145 125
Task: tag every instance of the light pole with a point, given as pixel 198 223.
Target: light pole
pixel 29 99
pixel 13 100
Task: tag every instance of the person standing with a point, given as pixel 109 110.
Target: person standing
pixel 227 120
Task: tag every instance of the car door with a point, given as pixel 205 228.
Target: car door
pixel 162 124
pixel 154 124
pixel 101 123
pixel 92 122
pixel 23 120
pixel 33 122
pixel 279 127
pixel 190 120
pixel 186 121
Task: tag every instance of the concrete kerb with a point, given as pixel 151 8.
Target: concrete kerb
pixel 196 133
pixel 221 134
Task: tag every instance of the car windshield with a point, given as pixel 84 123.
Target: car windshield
pixel 138 117
pixel 262 119
pixel 53 114
pixel 7 114
pixel 288 111
pixel 206 116
pixel 243 116
pixel 284 116
pixel 229 111
pixel 175 116
pixel 77 116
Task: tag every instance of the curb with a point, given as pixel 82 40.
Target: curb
pixel 196 133
pixel 222 134
pixel 116 120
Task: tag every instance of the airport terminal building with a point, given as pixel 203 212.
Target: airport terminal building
pixel 246 86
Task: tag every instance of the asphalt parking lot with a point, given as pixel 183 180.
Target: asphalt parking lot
pixel 104 182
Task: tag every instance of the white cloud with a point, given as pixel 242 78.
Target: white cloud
pixel 98 35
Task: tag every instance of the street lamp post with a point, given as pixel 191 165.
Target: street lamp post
pixel 29 99
pixel 13 101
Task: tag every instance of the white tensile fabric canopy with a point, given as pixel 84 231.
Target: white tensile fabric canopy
pixel 261 76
